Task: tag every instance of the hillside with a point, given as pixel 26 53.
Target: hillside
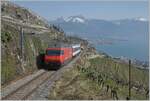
pixel 14 11
pixel 19 58
pixel 99 77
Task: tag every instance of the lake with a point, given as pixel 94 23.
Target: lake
pixel 130 48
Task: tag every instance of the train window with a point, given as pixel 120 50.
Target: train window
pixel 54 52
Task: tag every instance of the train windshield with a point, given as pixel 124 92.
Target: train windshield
pixel 54 52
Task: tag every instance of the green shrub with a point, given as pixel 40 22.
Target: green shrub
pixel 6 37
pixel 8 70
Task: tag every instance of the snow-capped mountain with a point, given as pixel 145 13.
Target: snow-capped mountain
pixel 131 20
pixel 141 19
pixel 73 19
pixel 76 19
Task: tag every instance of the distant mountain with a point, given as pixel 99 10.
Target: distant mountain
pixel 79 25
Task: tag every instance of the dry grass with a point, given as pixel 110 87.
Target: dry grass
pixel 75 84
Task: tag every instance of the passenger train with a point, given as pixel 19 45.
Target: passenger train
pixel 61 54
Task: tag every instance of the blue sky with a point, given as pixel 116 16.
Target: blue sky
pixel 89 9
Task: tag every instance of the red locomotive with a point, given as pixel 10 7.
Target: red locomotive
pixel 60 55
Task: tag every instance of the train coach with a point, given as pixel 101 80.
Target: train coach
pixel 61 54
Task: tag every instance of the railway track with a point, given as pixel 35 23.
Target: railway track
pixel 28 27
pixel 22 91
pixel 28 88
pixel 20 23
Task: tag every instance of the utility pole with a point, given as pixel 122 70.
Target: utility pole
pixel 22 48
pixel 21 43
pixel 129 79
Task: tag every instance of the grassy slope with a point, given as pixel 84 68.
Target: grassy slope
pixel 11 66
pixel 84 82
